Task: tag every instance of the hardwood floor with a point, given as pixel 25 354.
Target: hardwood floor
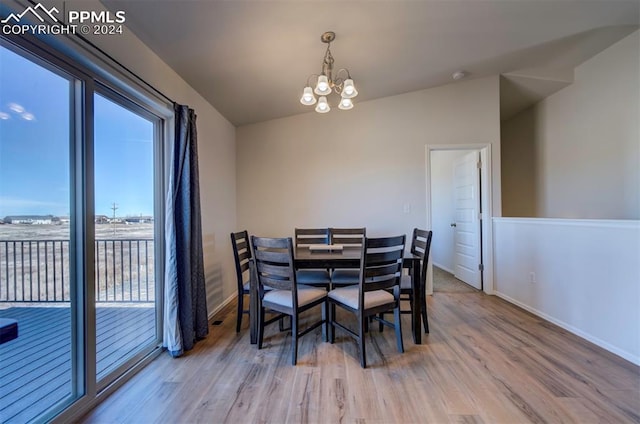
pixel 485 361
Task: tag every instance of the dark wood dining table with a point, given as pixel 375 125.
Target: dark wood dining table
pixel 345 258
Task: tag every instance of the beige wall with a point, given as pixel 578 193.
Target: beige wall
pixel 216 149
pixel 581 145
pixel 519 170
pixel 363 167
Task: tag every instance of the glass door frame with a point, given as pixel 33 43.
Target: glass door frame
pixel 158 212
pixel 93 74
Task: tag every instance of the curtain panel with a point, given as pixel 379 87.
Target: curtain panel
pixel 185 307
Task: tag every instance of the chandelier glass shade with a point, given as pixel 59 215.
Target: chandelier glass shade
pixel 327 82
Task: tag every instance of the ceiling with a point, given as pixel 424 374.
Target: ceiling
pixel 251 59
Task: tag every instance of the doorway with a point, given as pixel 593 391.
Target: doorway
pixel 458 212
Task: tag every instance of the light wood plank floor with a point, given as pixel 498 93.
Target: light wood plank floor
pixel 485 361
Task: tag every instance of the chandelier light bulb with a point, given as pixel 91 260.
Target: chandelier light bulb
pixel 308 98
pixel 349 91
pixel 323 88
pixel 323 105
pixel 345 104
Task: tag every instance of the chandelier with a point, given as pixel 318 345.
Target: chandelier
pixel 328 83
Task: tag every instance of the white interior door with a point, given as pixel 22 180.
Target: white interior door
pixel 466 182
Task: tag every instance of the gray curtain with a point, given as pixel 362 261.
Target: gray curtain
pixel 185 306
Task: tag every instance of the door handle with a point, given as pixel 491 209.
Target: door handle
pixel 453 224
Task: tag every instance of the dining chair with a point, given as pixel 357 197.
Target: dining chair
pixel 242 256
pixel 274 267
pixel 420 246
pixel 349 238
pixel 304 237
pixel 378 291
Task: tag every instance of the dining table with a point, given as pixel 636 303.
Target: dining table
pixel 347 257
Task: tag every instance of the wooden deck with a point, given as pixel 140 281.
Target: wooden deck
pixel 35 368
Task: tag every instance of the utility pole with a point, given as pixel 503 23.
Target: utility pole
pixel 114 207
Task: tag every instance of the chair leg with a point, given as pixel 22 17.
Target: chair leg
pixel 281 326
pixel 380 324
pixel 398 327
pixel 361 330
pixel 240 312
pixel 332 327
pixel 294 338
pixel 260 326
pixel 325 318
pixel 425 319
pixel 412 308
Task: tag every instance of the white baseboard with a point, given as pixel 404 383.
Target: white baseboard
pixel 444 268
pixel 222 305
pixel 621 353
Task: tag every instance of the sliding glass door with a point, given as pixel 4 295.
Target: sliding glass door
pixel 125 270
pixel 37 282
pixel 81 232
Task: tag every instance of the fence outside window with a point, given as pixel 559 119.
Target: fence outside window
pixel 38 270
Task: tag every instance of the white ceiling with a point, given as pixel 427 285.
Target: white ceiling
pixel 251 59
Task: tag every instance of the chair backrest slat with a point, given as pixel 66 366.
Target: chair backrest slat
pixel 273 257
pixel 241 243
pixel 386 242
pixel 380 284
pixel 276 271
pixel 306 236
pixel 275 283
pixel 305 241
pixel 381 271
pixel 347 236
pixel 244 256
pixel 383 258
pixel 419 245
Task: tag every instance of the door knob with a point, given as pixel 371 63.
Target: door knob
pixel 453 224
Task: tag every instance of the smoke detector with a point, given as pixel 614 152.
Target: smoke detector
pixel 458 75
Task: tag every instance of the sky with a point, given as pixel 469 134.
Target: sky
pixel 35 149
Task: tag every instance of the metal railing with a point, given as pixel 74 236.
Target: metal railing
pixel 38 270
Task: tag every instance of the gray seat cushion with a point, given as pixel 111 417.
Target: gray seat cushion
pixel 349 296
pixel 306 295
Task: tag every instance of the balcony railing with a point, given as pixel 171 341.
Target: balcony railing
pixel 38 270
